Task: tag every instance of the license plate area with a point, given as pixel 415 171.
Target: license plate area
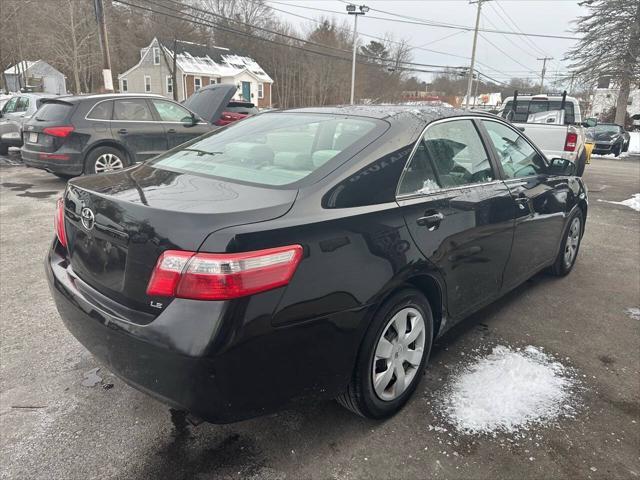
pixel 32 137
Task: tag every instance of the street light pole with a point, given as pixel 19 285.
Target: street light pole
pixel 104 46
pixel 352 10
pixel 473 52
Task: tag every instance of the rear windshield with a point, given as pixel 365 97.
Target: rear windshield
pixel 524 108
pixel 270 149
pixel 239 108
pixel 53 112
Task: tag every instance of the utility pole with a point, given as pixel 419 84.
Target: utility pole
pixel 104 45
pixel 544 70
pixel 473 51
pixel 352 10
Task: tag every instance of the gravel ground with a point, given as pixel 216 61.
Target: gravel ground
pixel 53 427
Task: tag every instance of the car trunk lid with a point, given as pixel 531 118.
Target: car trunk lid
pixel 209 102
pixel 118 224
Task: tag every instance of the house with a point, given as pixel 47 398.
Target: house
pixel 196 66
pixel 484 100
pixel 605 97
pixel 36 76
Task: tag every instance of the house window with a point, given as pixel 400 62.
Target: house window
pixel 197 83
pixel 219 79
pixel 212 81
pixel 147 83
pixel 261 90
pixel 125 85
pixel 169 84
pixel 156 56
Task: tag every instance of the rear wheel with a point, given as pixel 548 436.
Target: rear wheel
pixel 105 159
pixel 570 245
pixel 581 163
pixel 392 358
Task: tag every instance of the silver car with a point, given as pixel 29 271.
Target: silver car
pixel 15 112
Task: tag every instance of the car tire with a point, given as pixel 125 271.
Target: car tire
pixel 4 149
pixel 571 240
pixel 380 349
pixel 63 176
pixel 617 150
pixel 105 159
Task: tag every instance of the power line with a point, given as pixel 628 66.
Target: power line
pixel 506 54
pixel 432 23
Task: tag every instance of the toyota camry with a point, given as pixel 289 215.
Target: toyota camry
pixel 305 254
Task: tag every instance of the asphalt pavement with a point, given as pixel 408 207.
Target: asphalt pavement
pixel 60 419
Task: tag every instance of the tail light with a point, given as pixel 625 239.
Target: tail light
pixel 226 116
pixel 570 142
pixel 62 132
pixel 58 221
pixel 222 276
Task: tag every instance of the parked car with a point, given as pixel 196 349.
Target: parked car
pixel 100 133
pixel 312 253
pixel 17 110
pixel 553 122
pixel 236 111
pixel 610 138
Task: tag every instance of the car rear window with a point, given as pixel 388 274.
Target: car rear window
pixel 246 109
pixel 270 149
pixel 54 112
pixel 524 108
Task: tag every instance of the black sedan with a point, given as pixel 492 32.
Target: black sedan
pixel 609 138
pixel 312 253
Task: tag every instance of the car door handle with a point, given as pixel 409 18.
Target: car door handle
pixel 171 130
pixel 432 221
pixel 122 131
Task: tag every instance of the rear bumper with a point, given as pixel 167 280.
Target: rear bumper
pixel 13 139
pixel 603 148
pixel 182 358
pixel 65 163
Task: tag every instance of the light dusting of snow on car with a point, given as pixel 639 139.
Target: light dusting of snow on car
pixel 633 202
pixel 507 391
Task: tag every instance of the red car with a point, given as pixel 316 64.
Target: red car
pixel 235 111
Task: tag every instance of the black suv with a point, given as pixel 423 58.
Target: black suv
pixel 100 133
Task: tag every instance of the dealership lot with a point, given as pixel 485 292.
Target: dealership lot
pixel 56 427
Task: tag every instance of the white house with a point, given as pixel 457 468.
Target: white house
pixel 196 66
pixel 605 97
pixel 38 76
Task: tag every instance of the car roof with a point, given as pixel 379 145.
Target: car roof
pixel 426 113
pixel 108 96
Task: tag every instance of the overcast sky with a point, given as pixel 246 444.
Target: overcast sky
pixel 549 17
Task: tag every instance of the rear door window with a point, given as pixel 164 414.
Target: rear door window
pixel 132 110
pixel 272 149
pixel 10 106
pixel 101 111
pixel 450 154
pixel 54 112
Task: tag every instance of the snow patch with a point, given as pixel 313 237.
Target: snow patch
pixel 633 202
pixel 507 391
pixel 633 312
pixel 634 142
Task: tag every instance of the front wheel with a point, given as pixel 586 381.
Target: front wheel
pixel 617 150
pixel 105 159
pixel 568 253
pixel 392 358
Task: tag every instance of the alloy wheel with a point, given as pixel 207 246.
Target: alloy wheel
pixel 398 354
pixel 572 243
pixel 108 162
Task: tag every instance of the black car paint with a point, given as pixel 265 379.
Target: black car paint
pixel 226 361
pixel 139 140
pixel 606 142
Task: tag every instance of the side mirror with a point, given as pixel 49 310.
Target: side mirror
pixel 591 122
pixel 190 121
pixel 562 166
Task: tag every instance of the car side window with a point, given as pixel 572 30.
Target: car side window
pixel 132 109
pixel 101 111
pixel 22 104
pixel 10 106
pixel 450 154
pixel 518 158
pixel 170 112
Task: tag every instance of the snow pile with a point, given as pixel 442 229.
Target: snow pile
pixel 633 202
pixel 634 142
pixel 509 390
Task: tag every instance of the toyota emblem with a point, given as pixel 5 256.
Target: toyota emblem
pixel 87 218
